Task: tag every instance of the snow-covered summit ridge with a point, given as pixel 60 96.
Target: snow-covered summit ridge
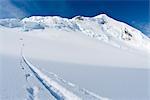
pixel 101 27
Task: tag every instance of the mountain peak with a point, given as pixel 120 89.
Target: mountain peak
pixel 102 16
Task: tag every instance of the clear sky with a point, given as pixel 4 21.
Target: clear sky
pixel 133 12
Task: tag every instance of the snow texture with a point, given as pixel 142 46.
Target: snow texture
pixel 58 91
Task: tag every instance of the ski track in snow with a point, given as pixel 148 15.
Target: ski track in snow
pixel 82 90
pixel 58 91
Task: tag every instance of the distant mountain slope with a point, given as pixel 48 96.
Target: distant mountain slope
pixel 100 27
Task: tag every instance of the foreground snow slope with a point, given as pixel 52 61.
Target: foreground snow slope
pixel 58 86
pixel 17 73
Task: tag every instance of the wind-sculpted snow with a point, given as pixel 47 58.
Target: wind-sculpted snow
pixel 59 88
pixel 100 27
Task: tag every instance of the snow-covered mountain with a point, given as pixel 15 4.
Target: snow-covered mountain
pixel 83 58
pixel 100 27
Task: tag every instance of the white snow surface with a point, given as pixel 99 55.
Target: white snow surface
pixel 57 90
pixel 97 53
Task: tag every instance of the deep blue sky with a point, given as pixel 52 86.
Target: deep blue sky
pixel 133 12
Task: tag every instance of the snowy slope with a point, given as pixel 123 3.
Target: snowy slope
pixel 100 27
pixel 102 61
pixel 15 84
pixel 58 86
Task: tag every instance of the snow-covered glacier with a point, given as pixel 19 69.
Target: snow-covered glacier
pixel 101 27
pixel 82 58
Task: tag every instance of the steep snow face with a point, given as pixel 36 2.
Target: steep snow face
pixel 111 31
pixel 100 27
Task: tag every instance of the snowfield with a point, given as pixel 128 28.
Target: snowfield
pixel 98 58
